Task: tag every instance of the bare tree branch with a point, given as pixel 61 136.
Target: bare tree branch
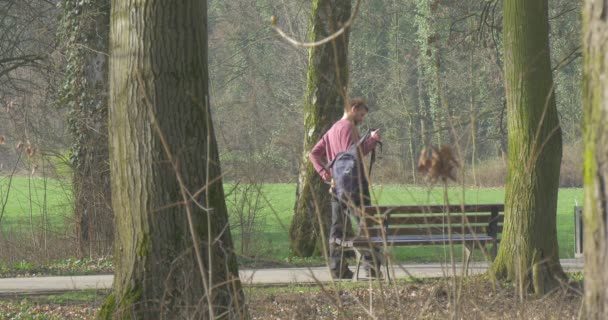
pixel 322 41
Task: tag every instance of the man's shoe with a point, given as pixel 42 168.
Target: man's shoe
pixel 345 274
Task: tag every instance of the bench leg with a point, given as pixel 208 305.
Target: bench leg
pixel 380 256
pixel 494 249
pixel 358 264
pixel 386 268
pixel 468 250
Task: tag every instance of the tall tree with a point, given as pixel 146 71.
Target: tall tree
pixel 84 33
pixel 529 251
pixel 428 70
pixel 595 132
pixel 327 80
pixel 173 249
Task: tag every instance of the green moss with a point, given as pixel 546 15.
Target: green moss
pixel 592 95
pixel 106 311
pixel 110 308
pixel 144 246
pixel 130 297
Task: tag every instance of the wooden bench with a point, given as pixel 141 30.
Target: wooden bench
pixel 387 226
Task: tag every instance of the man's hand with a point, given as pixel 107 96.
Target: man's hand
pixel 325 175
pixel 376 135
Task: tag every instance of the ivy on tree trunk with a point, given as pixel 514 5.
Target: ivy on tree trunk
pixel 84 32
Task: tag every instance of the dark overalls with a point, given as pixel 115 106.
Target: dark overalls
pixel 350 191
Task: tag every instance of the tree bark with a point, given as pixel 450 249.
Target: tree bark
pixel 428 70
pixel 473 93
pixel 173 253
pixel 595 215
pixel 327 80
pixel 528 251
pixel 86 28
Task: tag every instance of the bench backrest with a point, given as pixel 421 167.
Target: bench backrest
pixel 478 219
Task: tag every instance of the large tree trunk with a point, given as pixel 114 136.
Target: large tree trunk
pixel 595 132
pixel 528 249
pixel 85 34
pixel 174 254
pixel 326 93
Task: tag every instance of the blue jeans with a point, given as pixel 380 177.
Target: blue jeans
pixel 341 215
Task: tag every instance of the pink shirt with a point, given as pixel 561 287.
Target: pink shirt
pixel 339 137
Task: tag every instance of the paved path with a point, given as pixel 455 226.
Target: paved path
pixel 40 285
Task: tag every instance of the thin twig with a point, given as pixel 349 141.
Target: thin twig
pixel 10 181
pixel 322 41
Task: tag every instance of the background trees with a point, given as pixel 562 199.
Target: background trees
pixel 260 84
pixel 427 69
pixel 174 253
pixel 257 86
pixel 27 81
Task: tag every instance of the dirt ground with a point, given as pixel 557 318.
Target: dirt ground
pixel 431 299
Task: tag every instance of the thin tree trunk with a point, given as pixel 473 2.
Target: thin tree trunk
pixel 85 31
pixel 428 67
pixel 327 81
pixel 174 254
pixel 410 122
pixel 473 89
pixel 595 221
pixel 528 250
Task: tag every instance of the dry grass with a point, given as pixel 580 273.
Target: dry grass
pixel 493 172
pixel 39 247
pixel 429 300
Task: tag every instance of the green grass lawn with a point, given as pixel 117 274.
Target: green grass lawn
pixel 34 201
pixel 268 212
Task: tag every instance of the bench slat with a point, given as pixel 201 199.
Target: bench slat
pixel 428 230
pixel 420 240
pixel 373 210
pixel 456 219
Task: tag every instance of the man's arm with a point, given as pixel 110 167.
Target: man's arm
pixel 316 155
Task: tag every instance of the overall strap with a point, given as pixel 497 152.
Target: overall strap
pixel 352 149
pixel 373 153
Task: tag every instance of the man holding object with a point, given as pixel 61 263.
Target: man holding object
pixel 341 137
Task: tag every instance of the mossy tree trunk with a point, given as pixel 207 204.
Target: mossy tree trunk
pixel 159 100
pixel 528 251
pixel 595 132
pixel 84 33
pixel 327 81
pixel 428 37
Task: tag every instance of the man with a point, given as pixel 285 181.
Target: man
pixel 340 137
